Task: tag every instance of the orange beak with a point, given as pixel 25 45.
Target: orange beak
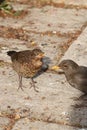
pixel 55 68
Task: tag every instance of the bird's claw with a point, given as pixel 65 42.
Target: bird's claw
pixel 21 87
pixel 34 86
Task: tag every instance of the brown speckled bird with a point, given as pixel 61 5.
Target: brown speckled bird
pixel 27 64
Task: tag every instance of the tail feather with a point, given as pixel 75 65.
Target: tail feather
pixel 10 53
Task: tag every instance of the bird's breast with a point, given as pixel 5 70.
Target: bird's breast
pixel 25 69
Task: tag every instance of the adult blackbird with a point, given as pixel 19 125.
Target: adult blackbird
pixel 76 75
pixel 27 64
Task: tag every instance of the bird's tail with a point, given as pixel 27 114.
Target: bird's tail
pixel 10 53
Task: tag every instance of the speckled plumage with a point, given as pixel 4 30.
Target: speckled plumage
pixel 26 63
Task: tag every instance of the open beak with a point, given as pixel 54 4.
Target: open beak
pixel 55 68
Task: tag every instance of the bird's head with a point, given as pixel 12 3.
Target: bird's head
pixel 38 53
pixel 68 66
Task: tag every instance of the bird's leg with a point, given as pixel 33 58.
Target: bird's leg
pixel 20 82
pixel 33 85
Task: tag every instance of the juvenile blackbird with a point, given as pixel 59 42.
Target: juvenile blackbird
pixel 76 75
pixel 27 64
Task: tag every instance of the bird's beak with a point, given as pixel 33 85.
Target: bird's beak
pixel 40 55
pixel 55 68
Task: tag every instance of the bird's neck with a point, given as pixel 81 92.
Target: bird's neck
pixel 37 63
pixel 70 74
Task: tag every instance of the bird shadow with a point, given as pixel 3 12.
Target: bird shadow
pixel 45 65
pixel 79 112
pixel 46 60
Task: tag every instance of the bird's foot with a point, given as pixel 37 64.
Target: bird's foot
pixel 21 87
pixel 20 83
pixel 34 86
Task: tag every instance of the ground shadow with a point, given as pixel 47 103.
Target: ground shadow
pixel 78 115
pixel 46 61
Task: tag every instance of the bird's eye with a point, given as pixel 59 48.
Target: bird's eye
pixel 65 66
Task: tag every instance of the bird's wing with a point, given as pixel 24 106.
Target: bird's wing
pixel 81 76
pixel 81 79
pixel 24 56
pixel 82 72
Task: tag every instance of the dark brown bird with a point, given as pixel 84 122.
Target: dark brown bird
pixel 76 75
pixel 27 64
